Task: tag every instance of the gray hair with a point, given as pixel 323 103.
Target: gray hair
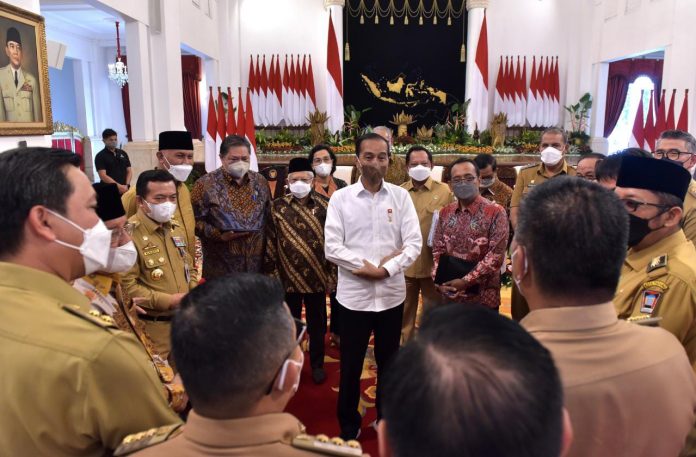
pixel 680 135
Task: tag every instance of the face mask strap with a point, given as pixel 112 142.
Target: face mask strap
pixel 284 371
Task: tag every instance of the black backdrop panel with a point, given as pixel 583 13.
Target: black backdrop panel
pixel 412 68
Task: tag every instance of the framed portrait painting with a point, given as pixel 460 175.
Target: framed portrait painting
pixel 25 100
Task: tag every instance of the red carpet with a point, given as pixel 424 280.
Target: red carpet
pixel 315 405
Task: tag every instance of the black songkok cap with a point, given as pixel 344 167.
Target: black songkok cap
pixel 109 204
pixel 13 35
pixel 175 139
pixel 299 164
pixel 655 175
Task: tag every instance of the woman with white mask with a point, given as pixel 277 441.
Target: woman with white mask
pixel 104 291
pixel 323 162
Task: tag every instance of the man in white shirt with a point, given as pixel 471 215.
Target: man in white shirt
pixel 373 234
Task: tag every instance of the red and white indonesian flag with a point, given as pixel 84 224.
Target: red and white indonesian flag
pixel 312 96
pixel 250 132
pixel 683 122
pixel 532 95
pixel 287 95
pixel 334 82
pixel 477 81
pixel 212 159
pixel 637 139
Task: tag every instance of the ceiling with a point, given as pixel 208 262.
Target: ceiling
pixel 82 19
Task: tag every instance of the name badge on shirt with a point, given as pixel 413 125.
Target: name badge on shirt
pixel 179 241
pixel 390 214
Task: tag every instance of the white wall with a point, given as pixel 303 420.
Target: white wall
pixel 292 27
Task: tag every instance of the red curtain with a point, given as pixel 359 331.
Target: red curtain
pixel 125 97
pixel 191 77
pixel 621 74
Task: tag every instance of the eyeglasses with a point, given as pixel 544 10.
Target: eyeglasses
pixel 127 229
pixel 633 205
pixel 303 329
pixel 671 154
pixel 318 160
pixel 463 179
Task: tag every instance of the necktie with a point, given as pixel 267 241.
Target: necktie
pixel 16 80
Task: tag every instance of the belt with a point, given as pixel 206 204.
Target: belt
pixel 146 317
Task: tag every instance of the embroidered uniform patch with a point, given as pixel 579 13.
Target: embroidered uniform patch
pixel 649 301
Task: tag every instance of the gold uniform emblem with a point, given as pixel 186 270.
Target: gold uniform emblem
pixel 157 274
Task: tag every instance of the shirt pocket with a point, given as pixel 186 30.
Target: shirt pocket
pixel 25 100
pixel 9 103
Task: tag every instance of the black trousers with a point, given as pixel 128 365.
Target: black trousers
pixel 315 310
pixel 355 330
pixel 335 314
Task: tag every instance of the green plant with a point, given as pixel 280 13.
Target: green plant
pixel 485 138
pixel 530 136
pixel 352 115
pixel 580 113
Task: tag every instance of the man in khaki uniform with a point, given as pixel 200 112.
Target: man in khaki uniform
pixel 552 149
pixel 71 383
pixel 236 347
pixel 163 272
pixel 629 389
pixel 176 156
pixel 680 147
pixel 19 89
pixel 429 196
pixel 658 278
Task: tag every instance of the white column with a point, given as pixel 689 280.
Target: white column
pixel 139 82
pixel 475 9
pixel 600 75
pixel 165 58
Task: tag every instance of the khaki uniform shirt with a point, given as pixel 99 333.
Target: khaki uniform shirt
pixel 164 265
pixel 629 389
pixel 183 214
pixel 689 218
pixel 661 281
pixel 531 176
pixel 20 103
pixel 71 384
pixel 260 436
pixel 432 197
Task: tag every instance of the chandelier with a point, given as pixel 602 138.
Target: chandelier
pixel 118 72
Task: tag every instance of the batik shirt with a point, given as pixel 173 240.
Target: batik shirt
pixel 295 245
pixel 221 205
pixel 476 233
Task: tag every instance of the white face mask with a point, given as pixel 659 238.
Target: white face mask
pixel 238 169
pixel 284 373
pixel 161 212
pixel 551 156
pixel 121 258
pixel 323 169
pixel 300 189
pixel 180 172
pixel 95 246
pixel 419 173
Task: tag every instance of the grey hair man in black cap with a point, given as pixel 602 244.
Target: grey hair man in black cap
pixel 295 255
pixel 659 273
pixel 19 89
pixel 175 155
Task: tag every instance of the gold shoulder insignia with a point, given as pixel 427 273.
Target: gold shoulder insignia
pixel 93 316
pixel 646 320
pixel 657 262
pixel 174 222
pixel 322 444
pixel 142 440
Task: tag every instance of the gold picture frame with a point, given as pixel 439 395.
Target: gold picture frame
pixel 25 97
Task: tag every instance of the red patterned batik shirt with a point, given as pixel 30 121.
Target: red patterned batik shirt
pixel 476 233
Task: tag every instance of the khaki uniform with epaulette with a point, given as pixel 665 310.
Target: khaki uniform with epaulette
pixel 689 218
pixel 71 383
pixel 660 281
pixel 164 268
pixel 183 214
pixel 527 178
pixel 268 435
